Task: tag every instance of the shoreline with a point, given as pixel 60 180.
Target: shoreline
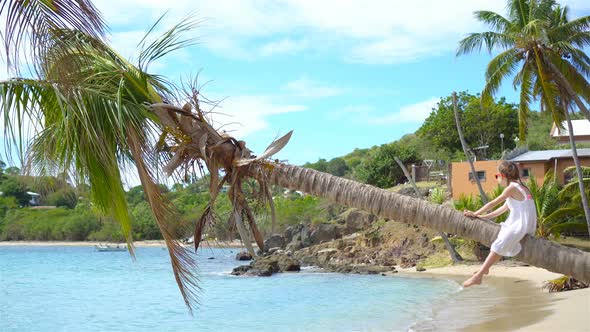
pixel 137 244
pixel 515 300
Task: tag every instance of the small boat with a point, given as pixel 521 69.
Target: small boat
pixel 106 247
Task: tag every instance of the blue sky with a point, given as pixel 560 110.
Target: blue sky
pixel 341 74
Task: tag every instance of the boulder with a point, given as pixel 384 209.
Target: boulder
pixel 240 270
pixel 258 273
pixel 275 241
pixel 291 232
pixel 294 245
pixel 287 263
pixel 269 263
pixel 357 220
pixel 324 232
pixel 243 256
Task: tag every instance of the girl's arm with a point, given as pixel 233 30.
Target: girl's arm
pixel 505 194
pixel 495 213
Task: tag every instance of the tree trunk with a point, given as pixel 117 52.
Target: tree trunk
pixel 454 254
pixel 482 193
pixel 578 168
pixel 480 251
pixel 568 88
pixel 385 204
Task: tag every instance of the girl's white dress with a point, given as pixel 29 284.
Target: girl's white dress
pixel 522 220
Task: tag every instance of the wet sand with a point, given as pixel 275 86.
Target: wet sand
pixel 511 299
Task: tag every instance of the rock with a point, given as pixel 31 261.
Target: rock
pixel 258 273
pixel 358 220
pixel 240 270
pixel 324 232
pixel 370 269
pixel 305 236
pixel 275 241
pixel 294 245
pixel 406 262
pixel 288 264
pixel 323 256
pixel 420 269
pixel 243 256
pixel 269 263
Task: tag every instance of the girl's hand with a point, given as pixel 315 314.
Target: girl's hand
pixel 469 214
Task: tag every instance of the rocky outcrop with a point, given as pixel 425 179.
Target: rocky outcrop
pixel 267 265
pixel 274 241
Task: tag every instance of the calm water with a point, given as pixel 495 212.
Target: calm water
pixel 80 289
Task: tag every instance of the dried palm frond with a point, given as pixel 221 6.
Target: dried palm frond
pixel 563 284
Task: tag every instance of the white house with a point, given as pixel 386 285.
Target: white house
pixel 581 130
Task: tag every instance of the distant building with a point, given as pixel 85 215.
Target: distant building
pixel 581 129
pixel 531 163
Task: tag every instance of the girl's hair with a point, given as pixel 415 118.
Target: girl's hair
pixel 511 171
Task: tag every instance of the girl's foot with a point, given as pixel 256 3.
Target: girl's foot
pixel 474 280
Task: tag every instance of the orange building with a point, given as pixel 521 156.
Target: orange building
pixel 531 163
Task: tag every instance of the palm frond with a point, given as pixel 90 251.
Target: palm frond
pixel 34 23
pixel 475 42
pixel 170 41
pixel 526 96
pixel 496 21
pixel 500 67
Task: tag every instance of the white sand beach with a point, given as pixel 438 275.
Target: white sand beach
pixel 525 306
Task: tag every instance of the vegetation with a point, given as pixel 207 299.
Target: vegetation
pixel 544 51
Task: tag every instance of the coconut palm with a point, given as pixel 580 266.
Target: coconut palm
pixel 104 114
pixel 538 38
pixel 89 106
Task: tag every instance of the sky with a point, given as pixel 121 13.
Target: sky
pixel 340 74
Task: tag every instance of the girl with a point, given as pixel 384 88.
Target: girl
pixel 522 219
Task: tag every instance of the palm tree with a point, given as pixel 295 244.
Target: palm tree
pixel 538 37
pixel 97 113
pixel 89 104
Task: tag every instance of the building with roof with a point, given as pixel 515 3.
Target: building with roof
pixel 531 163
pixel 581 129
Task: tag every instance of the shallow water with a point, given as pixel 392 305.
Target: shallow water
pixel 78 288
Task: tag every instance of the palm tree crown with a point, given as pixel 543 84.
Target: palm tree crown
pixel 542 50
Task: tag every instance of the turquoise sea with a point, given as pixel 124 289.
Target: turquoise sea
pixel 57 288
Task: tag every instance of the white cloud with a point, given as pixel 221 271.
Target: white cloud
pixel 308 88
pixel 414 113
pixel 372 31
pixel 283 46
pixel 241 116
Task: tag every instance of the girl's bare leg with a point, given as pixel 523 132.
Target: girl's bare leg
pixel 485 269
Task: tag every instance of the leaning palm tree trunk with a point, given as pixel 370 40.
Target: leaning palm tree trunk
pixel 385 204
pixel 454 255
pixel 237 162
pixel 482 193
pixel 578 168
